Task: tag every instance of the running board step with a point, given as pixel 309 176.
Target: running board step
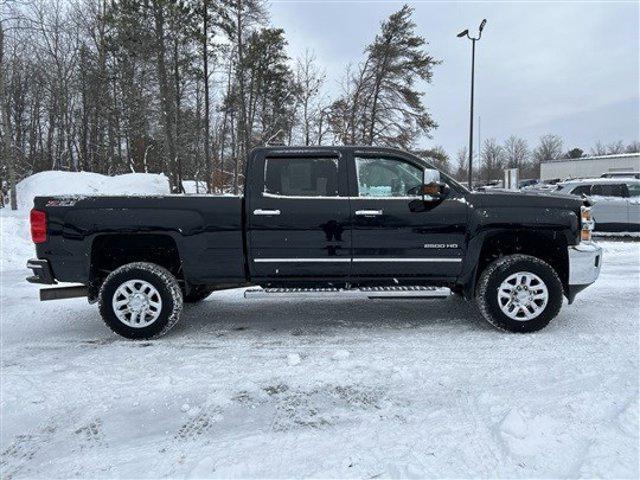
pixel 362 292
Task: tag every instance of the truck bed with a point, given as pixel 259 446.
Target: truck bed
pixel 208 227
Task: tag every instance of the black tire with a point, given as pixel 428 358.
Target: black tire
pixel 164 283
pixel 196 294
pixel 497 272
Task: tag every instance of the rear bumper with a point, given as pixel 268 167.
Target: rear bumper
pixel 585 261
pixel 42 272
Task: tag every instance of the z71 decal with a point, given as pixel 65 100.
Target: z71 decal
pixel 62 202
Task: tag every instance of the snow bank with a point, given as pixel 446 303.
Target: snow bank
pixel 86 183
pixel 16 244
pixel 191 186
pixel 15 239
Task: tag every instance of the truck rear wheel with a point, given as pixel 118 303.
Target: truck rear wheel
pixel 519 293
pixel 140 301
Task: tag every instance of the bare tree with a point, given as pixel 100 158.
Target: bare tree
pixel 549 148
pixel 516 152
pixel 167 97
pixel 238 19
pixel 492 158
pixel 633 147
pixel 615 148
pixel 599 149
pixel 6 140
pixel 462 163
pixel 309 81
pixel 207 98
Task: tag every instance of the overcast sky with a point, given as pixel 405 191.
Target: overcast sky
pixel 569 68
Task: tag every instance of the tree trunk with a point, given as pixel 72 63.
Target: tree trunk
pixel 178 121
pixel 6 138
pixel 165 92
pixel 243 134
pixel 205 65
pixel 355 103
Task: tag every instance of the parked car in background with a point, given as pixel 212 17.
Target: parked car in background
pixel 543 185
pixel 621 175
pixel 490 185
pixel 528 182
pixel 616 201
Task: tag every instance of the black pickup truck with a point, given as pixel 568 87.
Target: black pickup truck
pixel 375 222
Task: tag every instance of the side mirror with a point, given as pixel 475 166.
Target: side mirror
pixel 431 192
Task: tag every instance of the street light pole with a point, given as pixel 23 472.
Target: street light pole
pixel 473 67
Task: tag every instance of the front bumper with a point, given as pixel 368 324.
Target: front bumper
pixel 585 261
pixel 42 272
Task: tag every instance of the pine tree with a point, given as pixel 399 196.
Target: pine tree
pixel 437 156
pixel 381 105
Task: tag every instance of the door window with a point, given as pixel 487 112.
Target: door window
pixel 385 177
pixel 306 177
pixel 634 189
pixel 609 190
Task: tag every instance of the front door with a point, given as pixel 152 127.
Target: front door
pixel 395 233
pixel 299 220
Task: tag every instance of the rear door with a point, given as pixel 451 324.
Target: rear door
pixel 610 209
pixel 396 234
pixel 299 219
pixel 634 205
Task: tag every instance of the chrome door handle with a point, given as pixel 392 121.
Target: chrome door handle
pixel 259 211
pixel 368 213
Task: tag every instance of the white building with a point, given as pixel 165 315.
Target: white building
pixel 585 167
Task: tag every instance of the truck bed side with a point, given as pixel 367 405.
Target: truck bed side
pixel 204 232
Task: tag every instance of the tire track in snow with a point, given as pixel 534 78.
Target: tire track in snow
pixel 484 439
pixel 24 448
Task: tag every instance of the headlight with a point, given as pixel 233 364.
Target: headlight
pixel 586 223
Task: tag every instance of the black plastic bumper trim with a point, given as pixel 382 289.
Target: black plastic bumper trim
pixel 42 272
pixel 60 293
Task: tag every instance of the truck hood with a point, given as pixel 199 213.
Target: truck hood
pixel 526 199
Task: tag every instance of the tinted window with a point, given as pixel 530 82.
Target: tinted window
pixel 307 177
pixel 385 177
pixel 609 190
pixel 582 189
pixel 634 189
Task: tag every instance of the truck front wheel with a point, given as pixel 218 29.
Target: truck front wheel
pixel 519 293
pixel 140 301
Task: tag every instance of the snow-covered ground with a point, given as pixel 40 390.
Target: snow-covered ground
pixel 348 389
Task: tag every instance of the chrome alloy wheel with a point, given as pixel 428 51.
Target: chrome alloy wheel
pixel 137 303
pixel 523 296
